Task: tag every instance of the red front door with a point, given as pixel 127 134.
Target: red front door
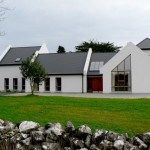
pixel 95 84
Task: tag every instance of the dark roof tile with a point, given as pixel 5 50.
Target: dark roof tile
pixel 145 44
pixel 66 63
pixel 18 52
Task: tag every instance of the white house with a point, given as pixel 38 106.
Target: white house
pixel 125 71
pixel 10 61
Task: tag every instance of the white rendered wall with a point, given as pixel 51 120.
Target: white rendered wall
pixel 10 72
pixel 85 84
pixel 147 52
pixel 41 87
pixel 140 72
pixel 70 84
pixel 28 87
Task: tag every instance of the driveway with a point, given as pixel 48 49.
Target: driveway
pixel 86 95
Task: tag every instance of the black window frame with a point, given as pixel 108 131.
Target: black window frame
pixel 6 85
pixel 15 84
pixel 47 84
pixel 58 84
pixel 23 84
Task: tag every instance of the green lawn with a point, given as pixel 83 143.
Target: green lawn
pixel 120 115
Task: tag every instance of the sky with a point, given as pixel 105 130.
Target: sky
pixel 70 22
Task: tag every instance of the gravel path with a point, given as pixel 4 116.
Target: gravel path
pixel 86 95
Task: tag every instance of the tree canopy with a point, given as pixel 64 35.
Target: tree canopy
pixel 33 71
pixel 61 49
pixel 97 47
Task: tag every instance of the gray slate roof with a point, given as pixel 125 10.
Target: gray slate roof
pixel 100 57
pixel 145 44
pixel 18 52
pixel 61 64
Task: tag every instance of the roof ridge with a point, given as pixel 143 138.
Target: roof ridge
pixel 104 52
pixel 64 53
pixel 26 47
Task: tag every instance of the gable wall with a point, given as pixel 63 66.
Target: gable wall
pixel 140 63
pixel 147 52
pixel 140 72
pixel 109 66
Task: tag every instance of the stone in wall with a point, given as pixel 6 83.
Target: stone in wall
pixel 28 135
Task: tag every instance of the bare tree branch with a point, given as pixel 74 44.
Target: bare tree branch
pixel 2 14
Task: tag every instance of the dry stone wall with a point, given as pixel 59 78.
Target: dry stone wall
pixel 29 135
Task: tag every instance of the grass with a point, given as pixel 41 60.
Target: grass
pixel 120 115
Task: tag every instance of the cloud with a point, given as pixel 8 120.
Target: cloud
pixel 68 23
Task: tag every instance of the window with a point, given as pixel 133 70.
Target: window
pixel 6 84
pixel 47 84
pixel 36 85
pixel 58 84
pixel 96 66
pixel 23 84
pixel 17 59
pixel 121 76
pixel 15 84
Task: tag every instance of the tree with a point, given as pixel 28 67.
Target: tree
pixel 97 47
pixel 61 49
pixel 33 71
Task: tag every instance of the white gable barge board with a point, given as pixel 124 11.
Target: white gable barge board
pixel 87 62
pixel 140 73
pixel 85 70
pixel 43 50
pixel 5 52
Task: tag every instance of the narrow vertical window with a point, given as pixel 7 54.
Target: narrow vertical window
pixel 58 84
pixel 23 84
pixel 47 84
pixel 36 85
pixel 15 84
pixel 6 84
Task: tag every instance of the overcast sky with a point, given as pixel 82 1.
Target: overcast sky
pixel 70 22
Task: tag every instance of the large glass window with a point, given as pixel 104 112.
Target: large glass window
pixel 121 76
